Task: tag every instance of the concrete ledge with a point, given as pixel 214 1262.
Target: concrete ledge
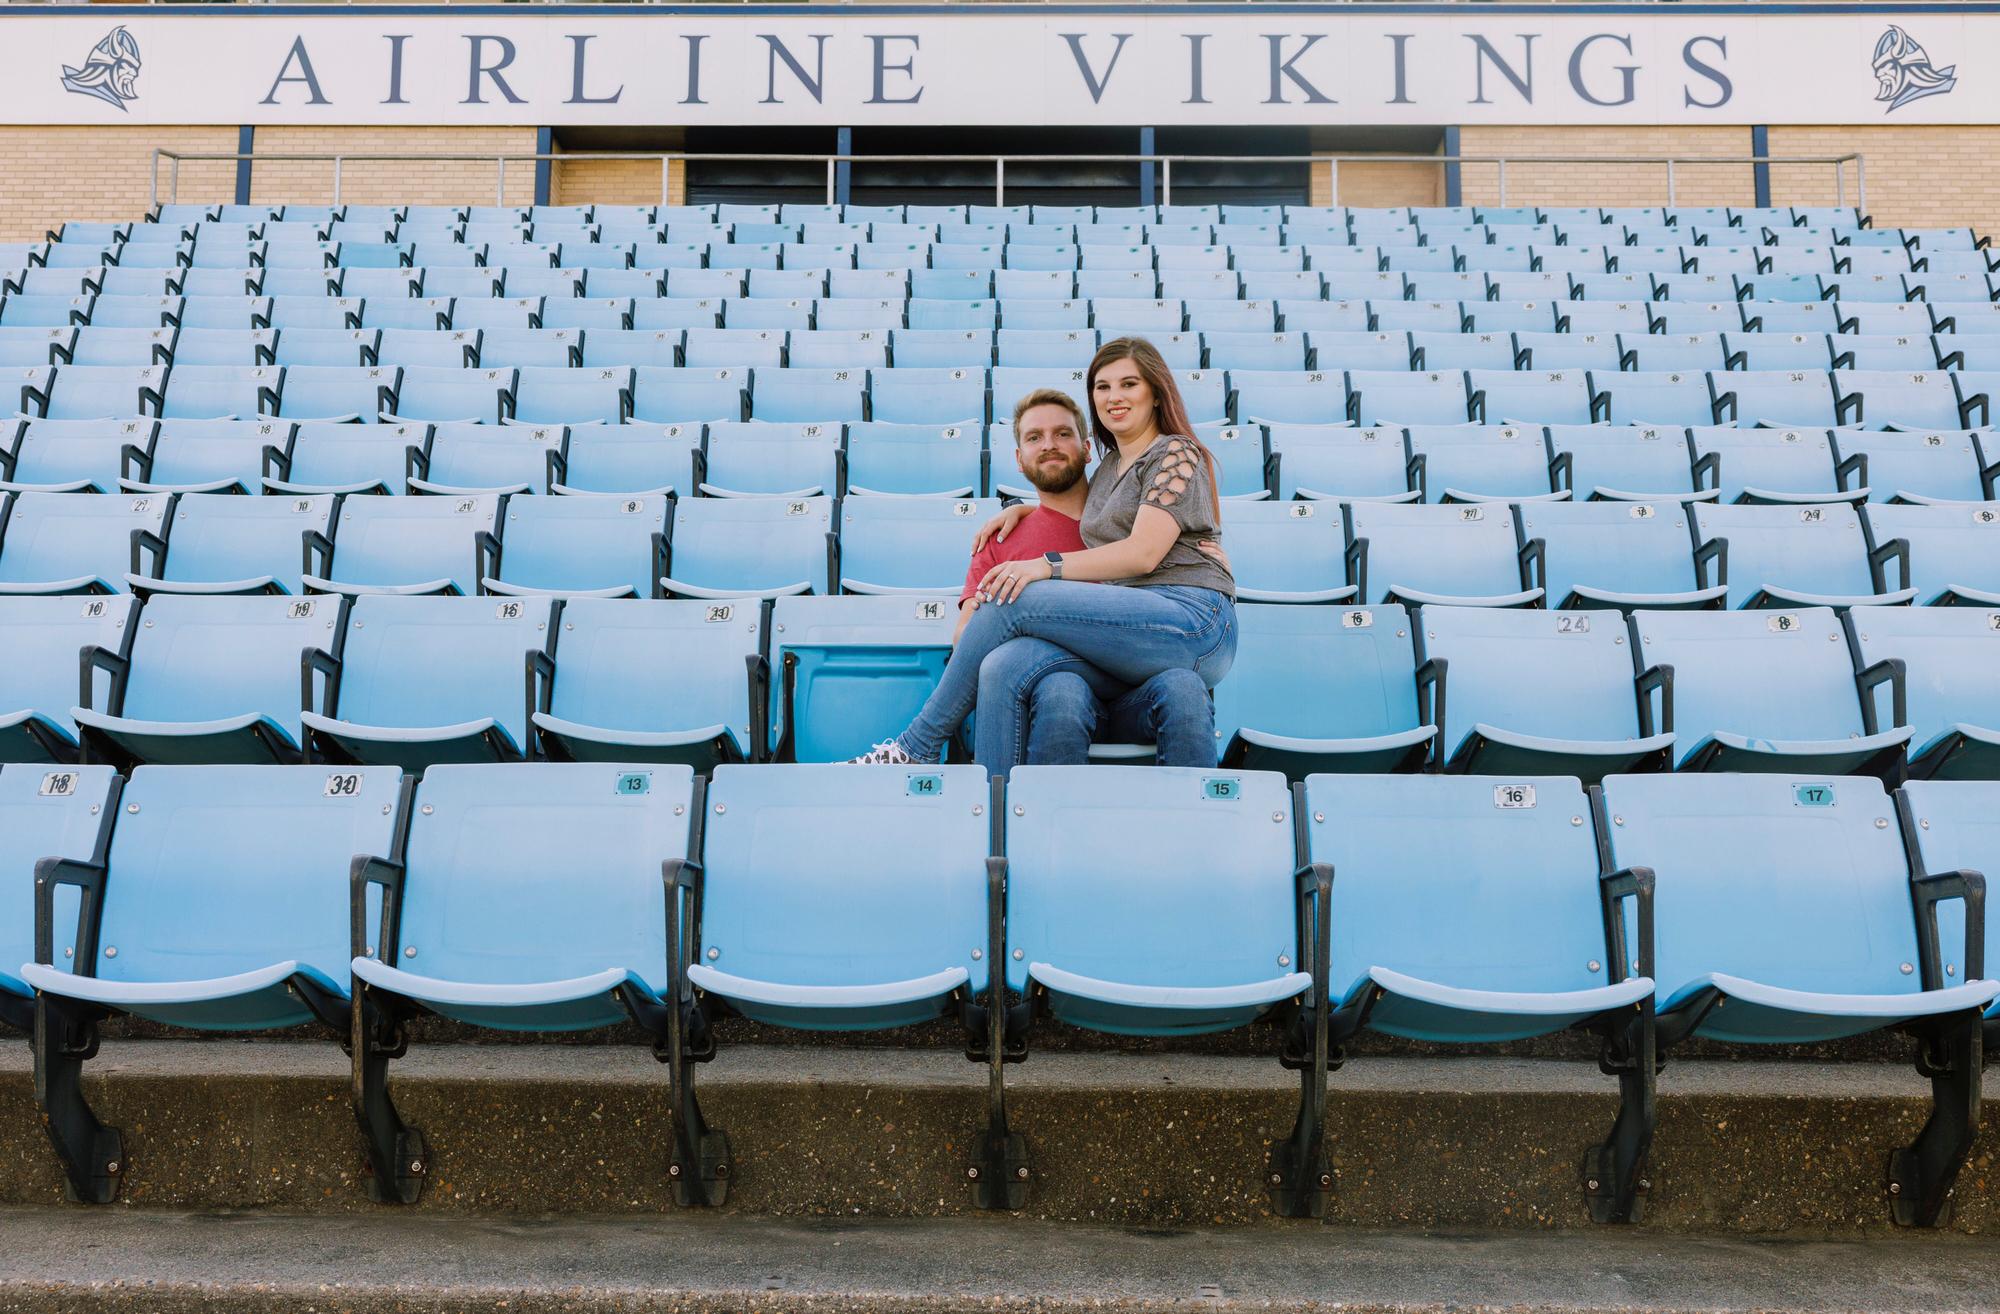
pixel 71 1262
pixel 1134 1139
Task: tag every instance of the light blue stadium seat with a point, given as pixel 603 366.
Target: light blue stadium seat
pixel 1429 317
pixel 759 458
pixel 1621 554
pixel 533 895
pixel 94 392
pixel 813 396
pixel 657 348
pixel 1898 352
pixel 1950 549
pixel 1772 465
pixel 1537 396
pixel 941 348
pixel 683 396
pixel 1010 383
pixel 71 456
pixel 432 393
pixel 852 671
pixel 410 545
pixel 848 349
pixel 526 348
pixel 918 460
pixel 908 544
pixel 333 456
pixel 433 348
pixel 1427 553
pixel 115 346
pixel 35 346
pixel 64 813
pixel 1629 462
pixel 631 458
pixel 740 347
pixel 1777 397
pixel 593 314
pixel 1569 351
pixel 657 681
pixel 1953 707
pixel 1242 462
pixel 238 347
pixel 209 680
pixel 1321 689
pixel 1458 351
pixel 212 456
pixel 39 681
pixel 1801 556
pixel 1313 315
pixel 1406 397
pixel 427 680
pixel 933 313
pixel 1672 353
pixel 1484 463
pixel 1527 691
pixel 594 395
pixel 847 315
pixel 78 542
pixel 20 310
pixel 1655 397
pixel 1045 349
pixel 928 396
pixel 197 926
pixel 227 544
pixel 339 392
pixel 1918 465
pixel 316 310
pixel 1286 551
pixel 466 458
pixel 1949 827
pixel 1902 399
pixel 737 547
pixel 581 546
pixel 1339 462
pixel 1296 397
pixel 1768 692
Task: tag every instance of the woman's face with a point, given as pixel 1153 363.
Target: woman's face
pixel 1122 399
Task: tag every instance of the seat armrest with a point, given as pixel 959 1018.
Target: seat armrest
pixel 92 658
pixel 317 661
pixel 86 876
pixel 1430 702
pixel 1661 679
pixel 1893 672
pixel 1635 883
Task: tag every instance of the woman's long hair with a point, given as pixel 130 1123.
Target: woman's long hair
pixel 1172 417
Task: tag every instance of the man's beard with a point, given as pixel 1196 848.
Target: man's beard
pixel 1055 479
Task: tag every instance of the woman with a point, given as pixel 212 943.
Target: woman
pixel 1153 500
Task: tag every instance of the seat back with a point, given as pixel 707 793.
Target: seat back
pixel 1616 547
pixel 221 538
pixel 1465 881
pixel 217 870
pixel 1940 463
pixel 1771 460
pixel 855 670
pixel 336 454
pixel 440 393
pixel 1817 549
pixel 411 540
pixel 499 457
pixel 831 876
pixel 47 537
pixel 916 458
pixel 1284 547
pixel 207 658
pixel 1551 674
pixel 1483 460
pixel 1410 397
pixel 41 637
pixel 45 813
pixel 1950 546
pixel 1538 396
pixel 676 396
pixel 1630 459
pixel 632 458
pixel 1155 876
pixel 928 396
pixel 1951 654
pixel 1794 883
pixel 1459 551
pixel 193 454
pixel 430 661
pixel 581 543
pixel 655 665
pixel 1780 675
pixel 769 458
pixel 543 871
pixel 1339 460
pixel 1782 397
pixel 1319 673
pixel 752 543
pixel 910 542
pixel 60 452
pixel 1956 828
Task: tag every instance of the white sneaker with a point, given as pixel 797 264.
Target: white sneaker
pixel 886 753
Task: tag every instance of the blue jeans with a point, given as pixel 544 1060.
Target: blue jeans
pixel 1034 694
pixel 1130 633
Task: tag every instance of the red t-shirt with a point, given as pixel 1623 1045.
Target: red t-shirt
pixel 1041 530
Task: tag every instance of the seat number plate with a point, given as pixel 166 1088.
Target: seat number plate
pixel 343 784
pixel 1513 796
pixel 926 786
pixel 635 782
pixel 58 784
pixel 1813 796
pixel 1226 789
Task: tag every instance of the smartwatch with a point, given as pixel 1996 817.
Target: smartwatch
pixel 1055 564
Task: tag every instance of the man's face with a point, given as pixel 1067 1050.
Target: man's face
pixel 1049 450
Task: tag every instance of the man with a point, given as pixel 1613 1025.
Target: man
pixel 1075 704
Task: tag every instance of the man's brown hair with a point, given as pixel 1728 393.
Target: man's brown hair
pixel 1050 397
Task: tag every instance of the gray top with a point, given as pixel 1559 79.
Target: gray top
pixel 1168 475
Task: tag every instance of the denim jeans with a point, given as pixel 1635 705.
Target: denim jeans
pixel 1129 633
pixel 1041 704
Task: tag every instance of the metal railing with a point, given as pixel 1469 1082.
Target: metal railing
pixel 1671 165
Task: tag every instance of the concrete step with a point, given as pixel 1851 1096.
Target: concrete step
pixel 165 1263
pixel 1168 1140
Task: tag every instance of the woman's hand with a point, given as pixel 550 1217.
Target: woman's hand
pixel 1214 549
pixel 1005 581
pixel 1001 525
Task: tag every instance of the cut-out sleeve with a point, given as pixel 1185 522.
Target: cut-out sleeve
pixel 1173 480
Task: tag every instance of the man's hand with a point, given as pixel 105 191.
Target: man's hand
pixel 1005 581
pixel 1001 525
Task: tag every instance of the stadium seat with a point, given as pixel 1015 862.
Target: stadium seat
pixel 809 396
pixel 39 682
pixel 631 458
pixel 1799 556
pixel 1621 554
pixel 409 545
pixel 750 547
pixel 581 546
pixel 546 395
pixel 1897 353
pixel 1406 397
pixel 433 348
pixel 1655 397
pixel 1918 466
pixel 1536 396
pixel 334 456
pixel 1773 465
pixel 1884 399
pixel 223 544
pixel 1415 553
pixel 1296 397
pixel 1219 941
pixel 340 392
pixel 741 347
pixel 1778 397
pixel 1484 463
pixel 848 349
pixel 928 396
pixel 852 671
pixel 1339 462
pixel 573 928
pixel 1950 550
pixel 908 544
pixel 214 456
pixel 1466 910
pixel 759 458
pixel 465 458
pixel 422 681
pixel 1569 351
pixel 1629 462
pixel 114 346
pixel 428 393
pixel 71 456
pixel 45 814
pixel 78 542
pixel 1285 551
pixel 918 460
pixel 1242 462
pixel 690 396
pixel 194 925
pixel 1952 709
pixel 658 348
pixel 237 347
pixel 1734 857
pixel 36 346
pixel 1768 692
pixel 1461 351
pixel 526 348
pixel 1677 353
pixel 1322 689
pixel 99 392
pixel 1522 692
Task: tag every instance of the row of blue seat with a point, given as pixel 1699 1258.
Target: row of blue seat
pixel 415 681
pixel 1759 909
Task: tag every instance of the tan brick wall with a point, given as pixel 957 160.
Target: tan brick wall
pixel 1608 182
pixel 54 174
pixel 580 180
pixel 456 182
pixel 1371 183
pixel 1930 176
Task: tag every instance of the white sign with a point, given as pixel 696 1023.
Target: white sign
pixel 959 66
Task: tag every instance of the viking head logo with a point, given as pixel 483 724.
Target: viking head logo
pixel 110 72
pixel 1904 70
